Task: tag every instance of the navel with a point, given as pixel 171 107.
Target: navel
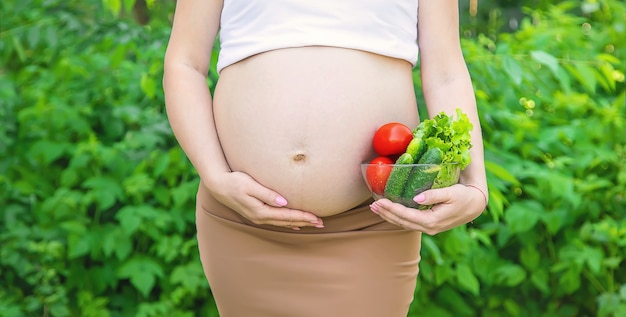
pixel 298 158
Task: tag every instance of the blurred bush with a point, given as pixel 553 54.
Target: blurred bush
pixel 553 110
pixel 97 199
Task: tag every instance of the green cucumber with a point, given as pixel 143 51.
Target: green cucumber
pixel 423 176
pixel 432 156
pixel 417 147
pixel 398 177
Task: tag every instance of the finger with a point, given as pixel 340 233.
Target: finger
pixel 433 196
pixel 267 196
pixel 291 218
pixel 397 220
pixel 273 199
pixel 296 217
pixel 426 220
pixel 291 226
pixel 394 213
pixel 273 211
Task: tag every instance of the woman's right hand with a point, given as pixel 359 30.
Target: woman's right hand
pixel 258 203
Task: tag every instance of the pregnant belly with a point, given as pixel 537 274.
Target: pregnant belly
pixel 300 121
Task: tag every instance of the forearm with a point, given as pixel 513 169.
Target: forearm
pixel 446 90
pixel 189 108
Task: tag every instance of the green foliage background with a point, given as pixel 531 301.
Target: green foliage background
pixel 96 198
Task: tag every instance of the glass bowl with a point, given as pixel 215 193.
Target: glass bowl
pixel 401 182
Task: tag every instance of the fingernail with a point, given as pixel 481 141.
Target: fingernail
pixel 317 223
pixel 419 198
pixel 281 201
pixel 374 208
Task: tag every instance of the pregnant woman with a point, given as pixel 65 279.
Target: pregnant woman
pixel 285 223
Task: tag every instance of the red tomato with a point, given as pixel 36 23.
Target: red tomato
pixel 392 139
pixel 378 173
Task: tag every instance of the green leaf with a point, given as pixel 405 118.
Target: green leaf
pixel 587 77
pixel 523 216
pixel 564 79
pixel 142 272
pixel 512 307
pixel 168 247
pixel 500 172
pixel 143 282
pixel 190 275
pixel 530 257
pixel 184 193
pixel 513 69
pixel 19 49
pixel 605 77
pixel 128 5
pixel 92 306
pixel 546 59
pixel 451 134
pixel 570 280
pixel 148 85
pixel 456 242
pixel 48 151
pixel 106 190
pixel 78 245
pixel 78 238
pixel 130 218
pixel 52 36
pixel 161 164
pixel 114 6
pixel 554 220
pixel 430 246
pixel 593 258
pixel 69 177
pixel 466 278
pixel 117 241
pixel 443 273
pixel 510 274
pixel 540 279
pixel 33 36
pixel 496 204
pixel 138 184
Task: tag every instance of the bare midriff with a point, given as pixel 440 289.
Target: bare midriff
pixel 300 121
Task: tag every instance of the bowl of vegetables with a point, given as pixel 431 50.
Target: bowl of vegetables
pixel 401 182
pixel 412 161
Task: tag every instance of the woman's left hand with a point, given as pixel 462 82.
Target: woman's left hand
pixel 452 207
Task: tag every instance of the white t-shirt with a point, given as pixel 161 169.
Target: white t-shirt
pixel 385 27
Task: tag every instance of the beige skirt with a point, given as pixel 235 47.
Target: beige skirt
pixel 358 265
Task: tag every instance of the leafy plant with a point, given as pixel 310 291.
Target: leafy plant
pixel 552 104
pixel 91 224
pixel 97 199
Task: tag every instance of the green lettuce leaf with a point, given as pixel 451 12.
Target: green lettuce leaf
pixel 450 134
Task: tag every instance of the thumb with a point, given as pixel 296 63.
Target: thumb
pixel 432 196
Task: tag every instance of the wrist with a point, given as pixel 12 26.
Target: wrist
pixel 483 192
pixel 213 178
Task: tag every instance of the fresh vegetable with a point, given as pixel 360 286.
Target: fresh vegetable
pixel 442 140
pixel 447 176
pixel 417 147
pixel 423 176
pixel 432 156
pixel 392 139
pixel 377 173
pixel 451 135
pixel 398 178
